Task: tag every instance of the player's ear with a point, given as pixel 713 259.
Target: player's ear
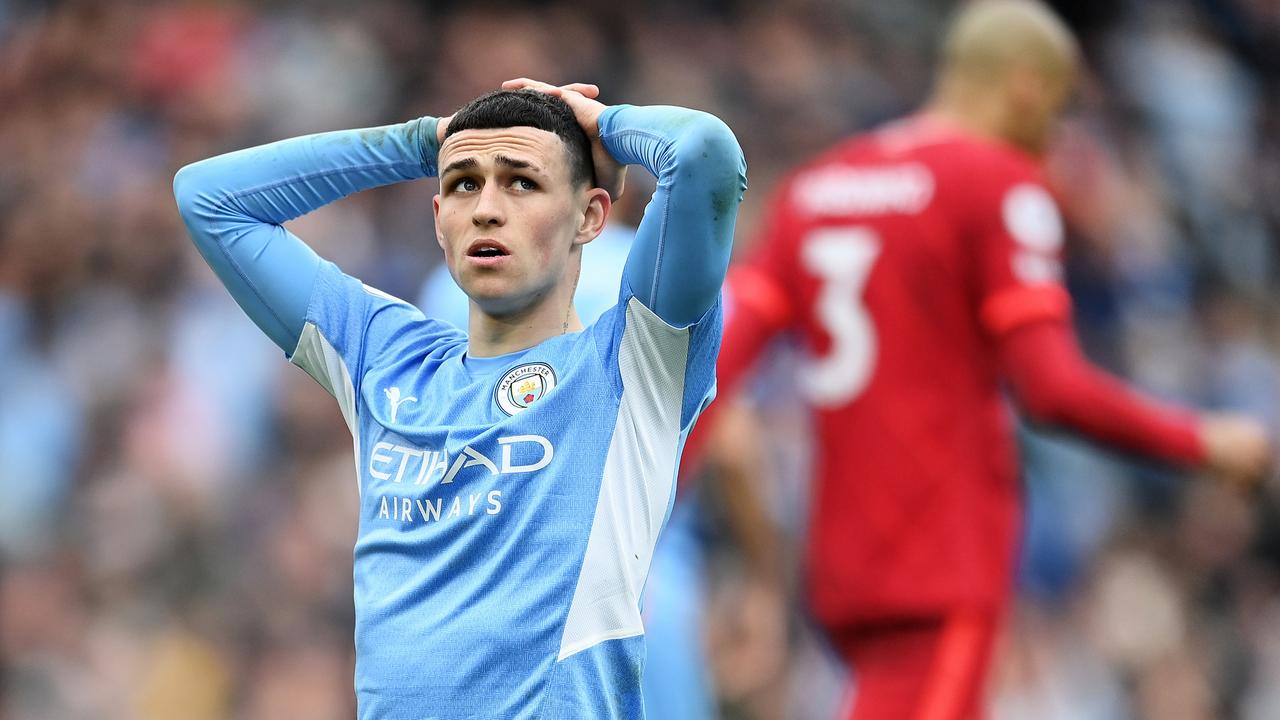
pixel 1024 87
pixel 435 209
pixel 595 213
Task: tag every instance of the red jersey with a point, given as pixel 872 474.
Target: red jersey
pixel 900 258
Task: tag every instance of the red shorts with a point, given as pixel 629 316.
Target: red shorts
pixel 918 669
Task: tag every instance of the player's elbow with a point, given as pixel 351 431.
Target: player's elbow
pixel 1044 402
pixel 708 148
pixel 187 189
pixel 706 136
pixel 191 190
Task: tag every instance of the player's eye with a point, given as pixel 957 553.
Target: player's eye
pixel 524 184
pixel 465 184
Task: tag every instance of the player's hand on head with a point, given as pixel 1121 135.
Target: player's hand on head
pixel 1237 447
pixel 586 90
pixel 610 174
pixel 442 127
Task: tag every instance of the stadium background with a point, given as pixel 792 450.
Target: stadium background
pixel 177 504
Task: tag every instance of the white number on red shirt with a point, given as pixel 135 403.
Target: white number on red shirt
pixel 842 259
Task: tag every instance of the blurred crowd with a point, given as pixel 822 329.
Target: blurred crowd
pixel 177 504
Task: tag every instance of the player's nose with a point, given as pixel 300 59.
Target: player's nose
pixel 488 209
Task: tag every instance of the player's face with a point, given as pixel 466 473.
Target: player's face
pixel 508 216
pixel 1044 100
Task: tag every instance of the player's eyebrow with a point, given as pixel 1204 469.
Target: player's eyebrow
pixel 503 160
pixel 463 164
pixel 515 164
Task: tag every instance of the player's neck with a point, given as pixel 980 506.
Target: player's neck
pixel 969 112
pixel 491 335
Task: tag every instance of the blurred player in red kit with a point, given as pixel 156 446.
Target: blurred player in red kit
pixel 919 265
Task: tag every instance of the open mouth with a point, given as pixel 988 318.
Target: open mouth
pixel 487 249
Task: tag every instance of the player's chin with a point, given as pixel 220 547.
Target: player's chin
pixel 496 295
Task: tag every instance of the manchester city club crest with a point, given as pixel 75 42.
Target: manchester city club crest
pixel 523 386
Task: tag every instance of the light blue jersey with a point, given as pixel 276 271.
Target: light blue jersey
pixel 509 505
pixel 677 683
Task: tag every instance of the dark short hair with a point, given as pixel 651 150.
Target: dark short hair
pixel 529 108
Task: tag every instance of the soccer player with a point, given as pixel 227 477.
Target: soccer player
pixel 514 478
pixel 919 266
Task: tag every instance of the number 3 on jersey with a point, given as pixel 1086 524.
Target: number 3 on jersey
pixel 841 258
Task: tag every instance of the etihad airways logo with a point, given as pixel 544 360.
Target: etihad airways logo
pixel 420 466
pixel 414 466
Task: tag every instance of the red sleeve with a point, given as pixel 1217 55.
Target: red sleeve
pixel 1017 234
pixel 753 318
pixel 1054 384
pixel 758 305
pixel 761 292
pixel 1022 305
pixel 757 310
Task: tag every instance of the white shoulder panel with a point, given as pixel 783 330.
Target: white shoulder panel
pixel 639 478
pixel 321 361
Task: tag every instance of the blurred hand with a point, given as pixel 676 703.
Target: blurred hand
pixel 746 636
pixel 610 174
pixel 1236 446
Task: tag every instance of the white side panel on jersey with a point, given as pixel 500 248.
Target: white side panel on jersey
pixel 639 477
pixel 322 362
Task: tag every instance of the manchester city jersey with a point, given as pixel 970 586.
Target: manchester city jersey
pixel 509 505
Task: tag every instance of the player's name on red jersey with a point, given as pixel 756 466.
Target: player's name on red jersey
pixel 853 190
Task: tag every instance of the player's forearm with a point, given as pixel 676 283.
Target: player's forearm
pixel 1055 385
pixel 283 180
pixel 234 206
pixel 682 247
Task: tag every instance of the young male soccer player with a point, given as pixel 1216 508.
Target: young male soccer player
pixel 920 266
pixel 514 479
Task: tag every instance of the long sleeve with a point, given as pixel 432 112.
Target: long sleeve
pixel 1055 385
pixel 755 314
pixel 682 247
pixel 234 206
